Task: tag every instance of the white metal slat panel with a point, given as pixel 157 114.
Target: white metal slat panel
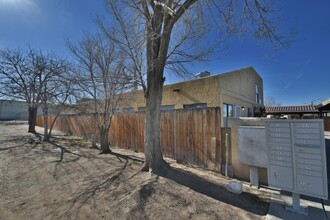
pixel 306 125
pixel 280 163
pixel 279 140
pixel 278 130
pixel 309 162
pixel 307 136
pixel 308 150
pixel 278 177
pixel 306 168
pixel 279 135
pixel 307 143
pixel 281 153
pixel 308 184
pixel 309 173
pixel 306 131
pixel 282 147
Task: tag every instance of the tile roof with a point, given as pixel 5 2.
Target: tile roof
pixel 292 109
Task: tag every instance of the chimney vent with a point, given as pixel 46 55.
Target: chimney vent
pixel 203 74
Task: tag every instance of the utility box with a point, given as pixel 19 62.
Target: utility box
pixel 297 157
pixel 252 147
pixel 252 150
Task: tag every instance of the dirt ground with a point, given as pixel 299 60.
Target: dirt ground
pixel 65 179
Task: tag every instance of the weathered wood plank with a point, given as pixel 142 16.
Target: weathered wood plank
pixel 189 136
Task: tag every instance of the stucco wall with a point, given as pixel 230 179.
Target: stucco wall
pixel 242 83
pixel 202 90
pixel 239 89
pixel 236 87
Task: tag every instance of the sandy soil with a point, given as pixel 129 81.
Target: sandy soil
pixel 65 179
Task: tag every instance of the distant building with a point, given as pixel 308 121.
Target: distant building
pixel 300 111
pixel 324 108
pixel 17 110
pixel 303 111
pixel 13 110
pixel 237 93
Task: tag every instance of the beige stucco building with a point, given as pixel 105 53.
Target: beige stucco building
pixel 236 92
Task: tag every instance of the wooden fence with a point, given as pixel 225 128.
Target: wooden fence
pixel 189 136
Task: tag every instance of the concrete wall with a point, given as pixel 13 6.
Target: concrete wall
pixel 242 171
pixel 13 110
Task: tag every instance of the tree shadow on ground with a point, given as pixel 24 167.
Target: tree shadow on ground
pixel 108 181
pixel 65 150
pixel 246 201
pixel 99 185
pixel 144 193
pixel 125 157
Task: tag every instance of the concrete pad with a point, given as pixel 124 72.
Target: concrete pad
pixel 315 210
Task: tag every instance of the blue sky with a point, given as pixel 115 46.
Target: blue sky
pixel 294 76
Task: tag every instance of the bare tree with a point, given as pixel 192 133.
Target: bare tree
pixel 24 76
pixel 171 31
pixel 271 101
pixel 100 77
pixel 57 95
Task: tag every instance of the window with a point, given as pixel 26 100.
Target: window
pixel 142 109
pixel 257 94
pixel 194 106
pixel 128 110
pixel 167 107
pixel 227 110
pixel 237 111
pixel 249 112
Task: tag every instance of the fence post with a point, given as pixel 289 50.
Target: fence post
pixel 226 168
pixel 93 141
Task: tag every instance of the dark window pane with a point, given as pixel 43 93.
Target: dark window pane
pixel 193 106
pixel 167 107
pixel 228 110
pixel 142 109
pixel 128 110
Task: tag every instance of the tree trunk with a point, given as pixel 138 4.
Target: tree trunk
pixel 152 149
pixel 93 138
pixel 46 134
pixel 104 139
pixel 52 125
pixel 32 119
pixel 156 57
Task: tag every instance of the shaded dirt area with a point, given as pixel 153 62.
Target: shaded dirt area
pixel 66 179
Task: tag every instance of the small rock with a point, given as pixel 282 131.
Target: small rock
pixel 234 187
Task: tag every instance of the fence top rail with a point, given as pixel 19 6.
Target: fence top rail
pixel 138 113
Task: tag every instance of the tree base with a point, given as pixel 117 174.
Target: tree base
pixel 46 139
pixel 145 167
pixel 160 170
pixel 106 151
pixel 93 147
